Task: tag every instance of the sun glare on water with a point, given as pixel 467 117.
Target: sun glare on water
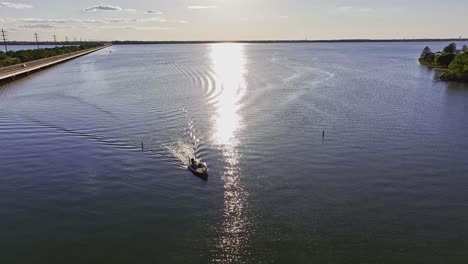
pixel 229 67
pixel 228 62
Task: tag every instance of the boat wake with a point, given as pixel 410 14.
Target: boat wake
pixel 182 151
pixel 187 145
pixel 113 142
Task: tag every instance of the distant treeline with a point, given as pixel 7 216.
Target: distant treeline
pixel 133 42
pixel 22 56
pixel 454 62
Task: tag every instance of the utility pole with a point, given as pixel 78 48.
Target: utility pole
pixel 37 39
pixel 4 39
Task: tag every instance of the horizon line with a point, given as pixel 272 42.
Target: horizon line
pixel 238 41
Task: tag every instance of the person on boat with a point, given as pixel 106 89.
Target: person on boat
pixel 193 163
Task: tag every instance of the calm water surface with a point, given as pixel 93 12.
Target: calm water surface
pixel 387 184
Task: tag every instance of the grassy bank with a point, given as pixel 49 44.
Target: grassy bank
pixel 23 56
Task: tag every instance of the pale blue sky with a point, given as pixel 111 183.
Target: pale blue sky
pixel 233 19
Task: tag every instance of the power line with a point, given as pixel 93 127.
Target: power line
pixel 37 39
pixel 4 39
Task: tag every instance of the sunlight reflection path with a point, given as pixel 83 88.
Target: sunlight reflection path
pixel 229 66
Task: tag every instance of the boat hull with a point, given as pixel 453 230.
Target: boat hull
pixel 203 174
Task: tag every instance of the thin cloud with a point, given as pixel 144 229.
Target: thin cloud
pixel 62 21
pixel 89 21
pixel 15 5
pixel 154 19
pixel 114 27
pixel 103 21
pixel 202 7
pixel 145 28
pixel 38 26
pixel 156 28
pixel 103 8
pixel 284 17
pixel 355 11
pixel 121 20
pixel 154 12
pixel 40 20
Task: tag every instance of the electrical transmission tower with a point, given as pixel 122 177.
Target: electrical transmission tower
pixel 4 39
pixel 66 39
pixel 37 39
pixel 55 40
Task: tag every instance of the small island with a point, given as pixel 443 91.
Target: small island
pixel 452 62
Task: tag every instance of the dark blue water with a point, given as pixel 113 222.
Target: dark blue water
pixel 387 183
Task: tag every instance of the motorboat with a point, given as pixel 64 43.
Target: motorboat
pixel 198 168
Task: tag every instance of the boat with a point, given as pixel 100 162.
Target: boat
pixel 198 168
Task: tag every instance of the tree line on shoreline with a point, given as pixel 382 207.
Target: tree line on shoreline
pixel 453 61
pixel 22 56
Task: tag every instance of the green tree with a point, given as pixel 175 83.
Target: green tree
pixel 426 52
pixel 459 66
pixel 9 61
pixel 465 48
pixel 444 60
pixel 430 58
pixel 451 48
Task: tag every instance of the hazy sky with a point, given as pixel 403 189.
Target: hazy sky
pixel 233 19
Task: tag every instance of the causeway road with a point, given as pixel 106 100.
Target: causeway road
pixel 18 70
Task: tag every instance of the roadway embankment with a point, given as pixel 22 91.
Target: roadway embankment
pixel 14 72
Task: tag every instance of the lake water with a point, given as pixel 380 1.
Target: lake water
pixel 387 184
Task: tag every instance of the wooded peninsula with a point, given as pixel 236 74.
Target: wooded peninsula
pixel 452 61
